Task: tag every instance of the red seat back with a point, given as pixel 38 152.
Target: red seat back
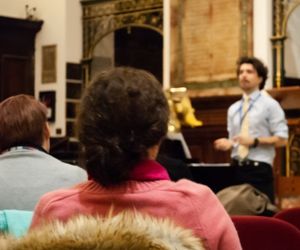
pixel 264 233
pixel 291 215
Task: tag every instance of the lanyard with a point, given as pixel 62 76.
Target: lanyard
pixel 242 116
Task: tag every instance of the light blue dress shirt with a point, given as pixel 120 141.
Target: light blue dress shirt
pixel 266 118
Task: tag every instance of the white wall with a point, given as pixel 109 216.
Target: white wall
pixel 166 44
pixel 61 28
pixel 13 8
pixel 262 32
pixel 53 33
pixel 74 31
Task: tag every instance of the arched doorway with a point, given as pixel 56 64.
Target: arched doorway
pixel 139 48
pixel 126 33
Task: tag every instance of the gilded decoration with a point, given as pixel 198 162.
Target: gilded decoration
pixel 292 166
pixel 49 63
pixel 282 10
pixel 294 155
pixel 100 18
pixel 106 17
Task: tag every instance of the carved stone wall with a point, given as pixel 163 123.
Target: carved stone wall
pixel 207 39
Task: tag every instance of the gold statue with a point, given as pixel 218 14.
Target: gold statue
pixel 182 112
pixel 174 123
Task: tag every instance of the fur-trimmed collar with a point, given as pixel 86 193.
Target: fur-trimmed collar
pixel 126 230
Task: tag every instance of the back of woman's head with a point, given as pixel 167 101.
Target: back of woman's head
pixel 122 114
pixel 22 121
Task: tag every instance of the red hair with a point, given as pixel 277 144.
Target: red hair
pixel 22 121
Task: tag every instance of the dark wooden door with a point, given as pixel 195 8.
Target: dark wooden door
pixel 17 39
pixel 16 75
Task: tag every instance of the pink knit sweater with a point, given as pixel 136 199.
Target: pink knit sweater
pixel 189 204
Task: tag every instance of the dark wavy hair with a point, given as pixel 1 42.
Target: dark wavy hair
pixel 122 113
pixel 22 121
pixel 260 68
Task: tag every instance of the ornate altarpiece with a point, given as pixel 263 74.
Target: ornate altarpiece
pixel 102 17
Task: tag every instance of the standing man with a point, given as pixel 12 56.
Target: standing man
pixel 27 170
pixel 256 125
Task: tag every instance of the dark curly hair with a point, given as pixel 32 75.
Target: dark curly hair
pixel 122 114
pixel 260 68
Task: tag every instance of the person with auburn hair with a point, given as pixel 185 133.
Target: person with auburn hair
pixel 122 119
pixel 27 171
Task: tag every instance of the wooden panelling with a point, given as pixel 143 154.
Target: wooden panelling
pixel 200 141
pixel 17 37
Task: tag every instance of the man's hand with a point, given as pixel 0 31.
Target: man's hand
pixel 244 140
pixel 223 144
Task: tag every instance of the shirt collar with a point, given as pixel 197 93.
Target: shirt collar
pixel 253 95
pixel 24 147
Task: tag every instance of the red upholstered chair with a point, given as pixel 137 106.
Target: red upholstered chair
pixel 264 233
pixel 291 215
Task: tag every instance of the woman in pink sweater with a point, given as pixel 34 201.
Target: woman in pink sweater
pixel 122 119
